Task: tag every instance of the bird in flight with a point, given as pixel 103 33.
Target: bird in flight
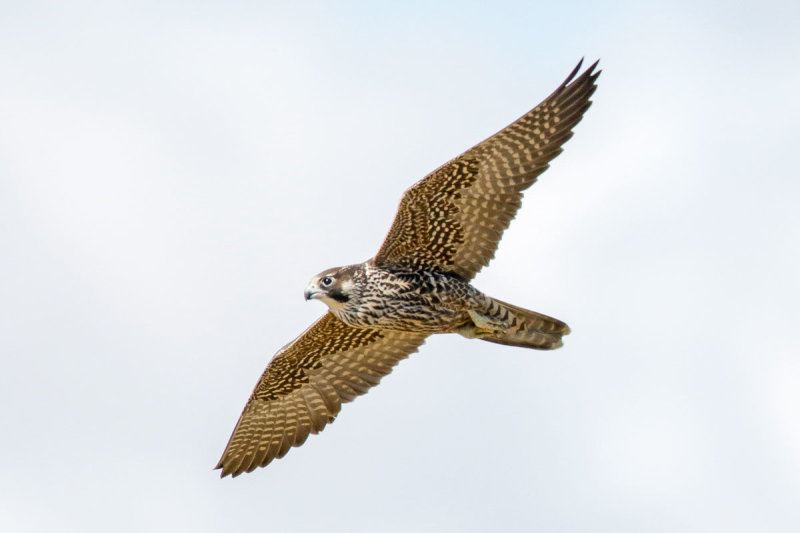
pixel 446 229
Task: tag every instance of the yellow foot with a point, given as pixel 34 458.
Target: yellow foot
pixel 485 325
pixel 481 327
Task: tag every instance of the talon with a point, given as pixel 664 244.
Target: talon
pixel 470 331
pixel 484 325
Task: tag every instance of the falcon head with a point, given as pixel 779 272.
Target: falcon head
pixel 333 286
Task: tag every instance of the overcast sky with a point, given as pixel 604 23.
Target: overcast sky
pixel 172 174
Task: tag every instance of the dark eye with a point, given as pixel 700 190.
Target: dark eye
pixel 326 281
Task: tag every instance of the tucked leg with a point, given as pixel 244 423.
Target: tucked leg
pixel 481 326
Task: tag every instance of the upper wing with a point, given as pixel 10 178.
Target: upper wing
pixel 453 219
pixel 305 384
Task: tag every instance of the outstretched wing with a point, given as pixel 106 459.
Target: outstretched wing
pixel 305 384
pixel 453 219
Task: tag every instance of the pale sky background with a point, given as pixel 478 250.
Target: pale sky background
pixel 173 173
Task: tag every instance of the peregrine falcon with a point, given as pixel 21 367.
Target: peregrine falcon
pixel 446 229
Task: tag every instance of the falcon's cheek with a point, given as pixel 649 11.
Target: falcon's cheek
pixel 339 296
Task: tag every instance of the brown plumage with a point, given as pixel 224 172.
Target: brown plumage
pixel 446 229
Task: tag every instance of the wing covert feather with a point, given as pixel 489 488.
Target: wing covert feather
pixel 453 219
pixel 305 384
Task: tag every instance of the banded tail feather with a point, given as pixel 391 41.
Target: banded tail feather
pixel 525 328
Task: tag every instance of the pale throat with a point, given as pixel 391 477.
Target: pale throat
pixel 334 305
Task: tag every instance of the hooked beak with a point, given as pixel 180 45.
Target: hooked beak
pixel 312 292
